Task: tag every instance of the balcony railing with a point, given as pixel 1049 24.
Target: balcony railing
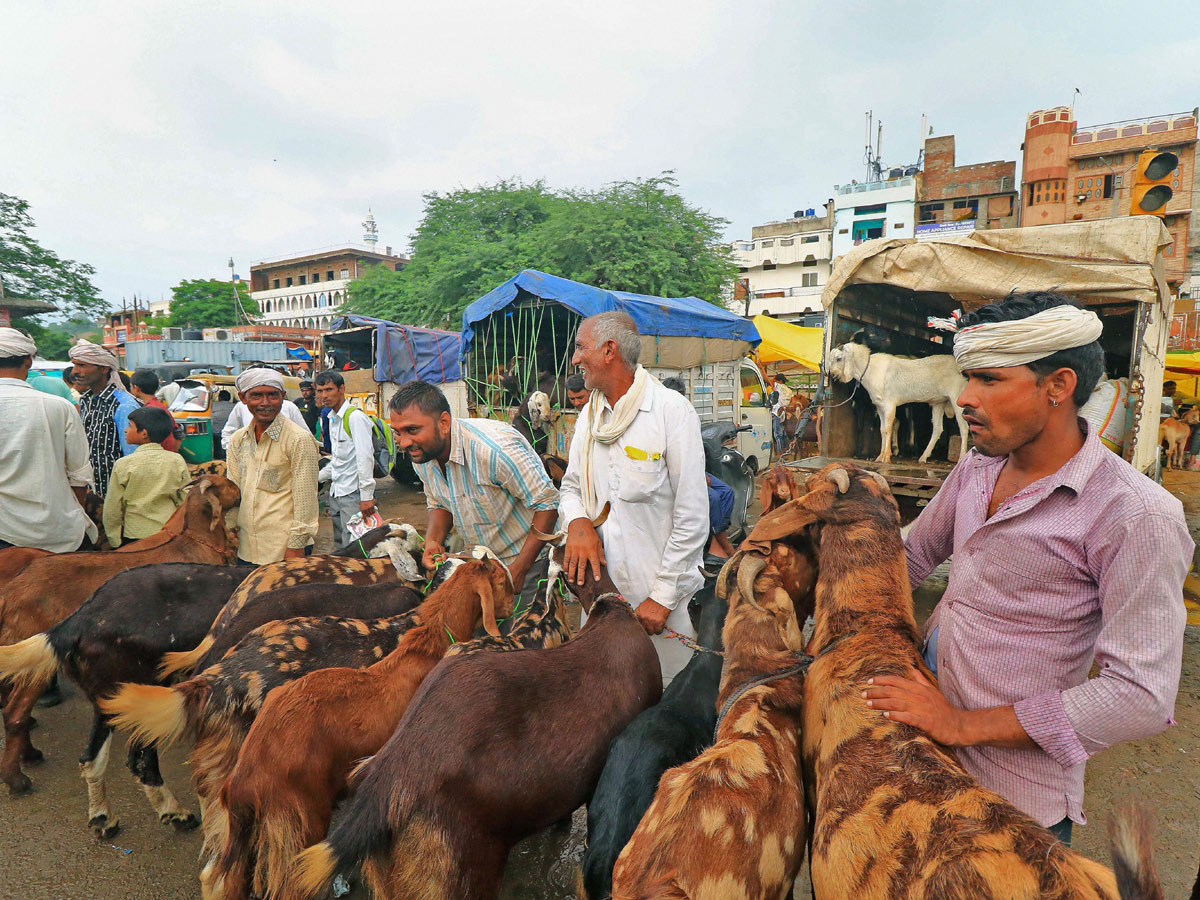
pixel 874 185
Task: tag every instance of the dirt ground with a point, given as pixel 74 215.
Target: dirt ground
pixel 47 852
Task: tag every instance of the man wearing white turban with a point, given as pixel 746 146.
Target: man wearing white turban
pixel 105 406
pixel 44 466
pixel 1062 554
pixel 274 462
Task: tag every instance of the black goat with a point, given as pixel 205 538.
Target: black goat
pixel 669 734
pixel 116 636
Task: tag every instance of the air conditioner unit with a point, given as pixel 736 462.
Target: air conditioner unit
pixel 222 334
pixel 171 333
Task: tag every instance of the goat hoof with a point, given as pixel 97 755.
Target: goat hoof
pixel 104 828
pixel 33 756
pixel 182 821
pixel 18 784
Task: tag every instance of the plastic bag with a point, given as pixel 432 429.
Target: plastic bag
pixel 358 526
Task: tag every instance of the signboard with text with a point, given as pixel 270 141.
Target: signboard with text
pixel 944 229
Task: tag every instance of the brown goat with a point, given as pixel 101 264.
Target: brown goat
pixel 730 823
pixel 495 747
pixel 50 588
pixel 14 559
pixel 309 734
pixel 778 487
pixel 895 813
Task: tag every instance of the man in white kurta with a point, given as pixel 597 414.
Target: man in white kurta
pixel 45 470
pixel 636 447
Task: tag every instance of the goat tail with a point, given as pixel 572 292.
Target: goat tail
pixel 183 660
pixel 153 714
pixel 1129 834
pixel 311 872
pixel 28 663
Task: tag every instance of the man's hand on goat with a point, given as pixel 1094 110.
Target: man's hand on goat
pixel 518 572
pixel 433 557
pixel 917 702
pixel 652 615
pixel 583 549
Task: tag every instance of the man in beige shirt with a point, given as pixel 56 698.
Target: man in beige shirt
pixel 274 462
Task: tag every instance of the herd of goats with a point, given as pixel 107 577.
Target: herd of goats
pixel 356 681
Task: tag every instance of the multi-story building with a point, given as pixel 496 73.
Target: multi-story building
pixel 953 198
pixel 1072 173
pixel 874 209
pixel 785 265
pixel 128 324
pixel 307 290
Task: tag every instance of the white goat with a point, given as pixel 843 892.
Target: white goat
pixel 891 381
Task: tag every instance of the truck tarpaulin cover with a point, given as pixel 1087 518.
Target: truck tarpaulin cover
pixel 686 317
pixel 1112 260
pixel 407 353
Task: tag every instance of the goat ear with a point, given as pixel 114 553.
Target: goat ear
pixel 215 506
pixel 204 485
pixel 487 598
pixel 790 518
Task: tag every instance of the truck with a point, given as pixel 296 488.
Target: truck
pixel 893 286
pixel 376 356
pixel 520 337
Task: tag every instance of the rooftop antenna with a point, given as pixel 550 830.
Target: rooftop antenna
pixel 370 230
pixel 871 154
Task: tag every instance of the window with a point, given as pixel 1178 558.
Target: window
pixel 768 243
pixel 275 284
pixel 752 389
pixel 304 279
pixel 870 210
pixel 808 279
pixel 289 281
pixel 329 275
pixel 316 277
pixel 768 265
pixel 787 242
pixel 1108 187
pixel 931 212
pixel 345 274
pixel 812 238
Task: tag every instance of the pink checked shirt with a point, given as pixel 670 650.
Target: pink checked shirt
pixel 1085 564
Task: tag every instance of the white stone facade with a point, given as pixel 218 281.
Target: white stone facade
pixel 302 306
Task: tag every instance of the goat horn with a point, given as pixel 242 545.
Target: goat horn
pixel 883 482
pixel 548 538
pixel 603 517
pixel 722 588
pixel 750 569
pixel 841 478
pixel 217 512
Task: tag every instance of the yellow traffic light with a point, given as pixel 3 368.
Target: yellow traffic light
pixel 1152 183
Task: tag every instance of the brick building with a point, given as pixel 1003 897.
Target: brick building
pixel 953 198
pixel 306 291
pixel 1072 173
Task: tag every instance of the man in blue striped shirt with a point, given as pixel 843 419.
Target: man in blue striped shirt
pixel 481 477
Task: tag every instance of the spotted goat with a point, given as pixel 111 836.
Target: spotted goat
pixel 309 734
pixel 895 814
pixel 731 823
pixel 469 772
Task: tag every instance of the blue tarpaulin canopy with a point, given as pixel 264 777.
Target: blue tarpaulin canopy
pixel 298 353
pixel 660 316
pixel 407 353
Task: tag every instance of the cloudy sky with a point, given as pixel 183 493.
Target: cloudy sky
pixel 155 140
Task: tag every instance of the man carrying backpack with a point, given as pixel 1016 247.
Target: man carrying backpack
pixel 351 468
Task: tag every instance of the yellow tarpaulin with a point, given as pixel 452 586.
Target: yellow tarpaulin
pixel 782 341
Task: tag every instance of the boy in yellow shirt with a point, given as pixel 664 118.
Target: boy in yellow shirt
pixel 146 487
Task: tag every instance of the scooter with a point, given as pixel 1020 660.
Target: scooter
pixel 722 460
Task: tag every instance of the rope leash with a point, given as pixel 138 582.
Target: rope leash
pixel 688 642
pixel 737 695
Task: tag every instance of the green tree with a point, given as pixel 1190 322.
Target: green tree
pixel 30 270
pixel 637 236
pixel 206 303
